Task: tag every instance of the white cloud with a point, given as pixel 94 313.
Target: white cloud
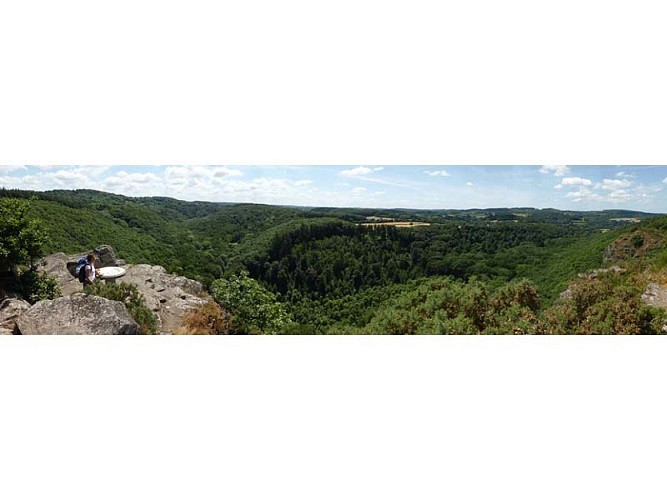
pixel 469 184
pixel 277 191
pixel 619 195
pixel 304 182
pixel 614 184
pixel 78 175
pixel 223 171
pixel 358 190
pixel 583 194
pixel 90 169
pixel 177 172
pixel 272 187
pixel 645 192
pixel 64 178
pixel 197 181
pixel 611 191
pixel 184 182
pixel 576 181
pixel 8 182
pixel 355 172
pixel 378 169
pixel 435 173
pixel 128 180
pixel 625 175
pixel 665 180
pixel 201 172
pixel 557 170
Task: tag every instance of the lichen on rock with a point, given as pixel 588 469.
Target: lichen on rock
pixel 78 314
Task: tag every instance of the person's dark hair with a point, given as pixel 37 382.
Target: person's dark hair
pixel 91 257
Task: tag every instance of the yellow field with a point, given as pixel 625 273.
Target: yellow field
pixel 396 224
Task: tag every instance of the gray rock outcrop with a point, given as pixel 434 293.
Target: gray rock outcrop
pixel 10 309
pixel 169 296
pixel 77 314
pixel 56 266
pixel 656 295
pixel 108 257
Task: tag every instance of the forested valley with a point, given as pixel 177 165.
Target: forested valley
pixel 378 271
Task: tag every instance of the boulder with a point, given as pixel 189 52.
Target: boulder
pixel 77 314
pixel 655 295
pixel 108 257
pixel 10 309
pixel 55 264
pixel 58 266
pixel 169 296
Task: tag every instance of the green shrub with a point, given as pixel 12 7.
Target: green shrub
pixel 252 308
pixel 36 286
pixel 518 293
pixel 22 241
pixel 443 325
pixel 22 236
pixel 445 306
pixel 129 295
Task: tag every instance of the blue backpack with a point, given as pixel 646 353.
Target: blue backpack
pixel 81 269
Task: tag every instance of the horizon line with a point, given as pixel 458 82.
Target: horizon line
pixel 3 188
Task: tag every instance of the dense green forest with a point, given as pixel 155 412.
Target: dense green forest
pixel 336 270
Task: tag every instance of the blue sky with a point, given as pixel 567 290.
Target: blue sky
pixel 558 186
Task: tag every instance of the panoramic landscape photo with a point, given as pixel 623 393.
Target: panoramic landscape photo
pixel 350 249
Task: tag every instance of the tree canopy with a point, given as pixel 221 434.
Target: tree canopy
pixel 252 308
pixel 22 237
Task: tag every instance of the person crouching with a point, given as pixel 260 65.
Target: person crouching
pixel 89 271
